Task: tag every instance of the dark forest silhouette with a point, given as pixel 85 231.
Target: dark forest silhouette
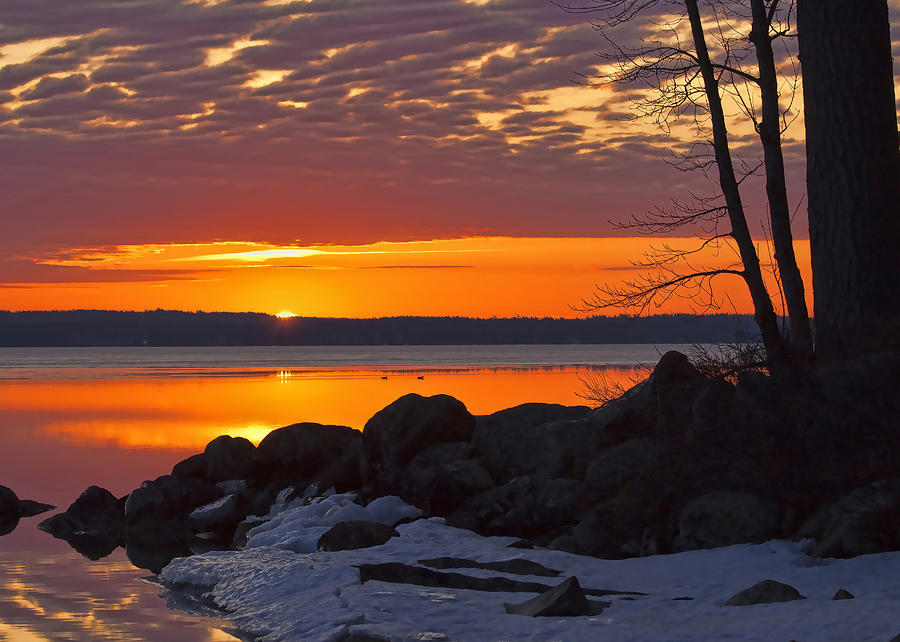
pixel 175 328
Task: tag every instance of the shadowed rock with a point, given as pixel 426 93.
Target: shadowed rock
pixel 516 566
pixel 159 509
pixel 12 508
pixel 843 594
pixel 723 518
pixel 564 600
pixel 399 573
pixel 861 522
pixel 301 453
pixel 412 423
pixel 95 512
pixel 352 535
pixel 765 592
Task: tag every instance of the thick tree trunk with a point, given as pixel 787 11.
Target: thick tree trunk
pixel 853 170
pixel 763 311
pixel 776 189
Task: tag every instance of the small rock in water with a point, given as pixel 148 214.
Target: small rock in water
pixel 567 599
pixel 765 592
pixel 843 594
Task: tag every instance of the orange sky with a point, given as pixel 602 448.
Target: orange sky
pixel 478 276
pixel 147 147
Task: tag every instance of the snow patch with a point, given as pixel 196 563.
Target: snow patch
pixel 278 594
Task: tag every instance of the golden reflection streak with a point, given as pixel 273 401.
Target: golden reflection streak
pixel 27 596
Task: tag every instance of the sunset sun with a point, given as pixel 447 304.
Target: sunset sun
pixel 285 314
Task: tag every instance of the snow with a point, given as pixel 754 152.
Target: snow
pixel 298 526
pixel 273 591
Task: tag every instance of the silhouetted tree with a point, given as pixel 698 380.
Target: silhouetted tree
pixel 690 83
pixel 853 170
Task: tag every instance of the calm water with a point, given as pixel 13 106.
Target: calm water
pixel 113 417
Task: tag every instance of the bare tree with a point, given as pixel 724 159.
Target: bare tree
pixel 688 82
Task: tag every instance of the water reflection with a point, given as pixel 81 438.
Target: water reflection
pixel 53 596
pixel 62 435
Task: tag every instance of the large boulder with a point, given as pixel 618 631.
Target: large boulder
pixel 723 518
pixel 553 449
pixel 437 480
pixel 866 520
pixel 223 458
pixel 612 529
pixel 616 466
pixel 95 512
pixel 524 507
pixel 220 516
pixel 159 509
pixel 505 440
pixel 302 453
pixel 353 535
pixel 397 433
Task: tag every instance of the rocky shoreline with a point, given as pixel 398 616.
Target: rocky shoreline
pixel 679 463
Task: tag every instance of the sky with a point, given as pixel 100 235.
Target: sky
pixel 332 158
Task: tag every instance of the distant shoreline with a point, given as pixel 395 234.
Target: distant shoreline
pixel 103 328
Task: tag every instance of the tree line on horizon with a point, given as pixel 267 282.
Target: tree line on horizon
pixel 177 328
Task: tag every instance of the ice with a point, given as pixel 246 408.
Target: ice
pixel 298 526
pixel 283 595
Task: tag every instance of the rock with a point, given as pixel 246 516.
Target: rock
pixel 564 600
pixel 398 573
pixel 524 507
pixel 397 433
pixel 501 440
pixel 302 453
pixel 224 458
pixel 95 512
pixel 764 592
pixel 437 480
pixel 607 529
pixel 352 636
pixel 30 508
pixel 723 518
pixel 241 532
pixel 348 536
pixel 229 458
pixel 159 509
pixel 516 566
pixel 613 467
pixel 843 594
pixel 218 516
pixel 232 486
pixel 9 503
pixel 672 387
pixel 553 449
pixel 12 508
pixel 866 520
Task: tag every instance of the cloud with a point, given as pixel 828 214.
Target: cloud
pixel 146 122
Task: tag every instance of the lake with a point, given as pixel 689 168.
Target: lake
pixel 73 417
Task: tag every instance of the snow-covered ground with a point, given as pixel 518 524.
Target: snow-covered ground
pixel 272 590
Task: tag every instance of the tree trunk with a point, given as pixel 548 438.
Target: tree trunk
pixel 776 189
pixel 763 311
pixel 853 170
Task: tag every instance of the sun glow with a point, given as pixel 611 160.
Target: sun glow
pixel 284 314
